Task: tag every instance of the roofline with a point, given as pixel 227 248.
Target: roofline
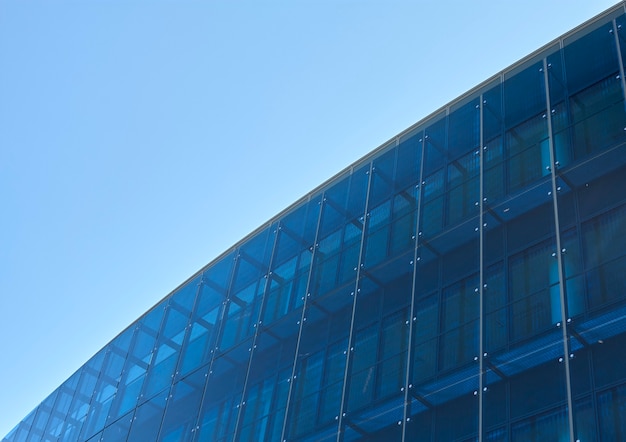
pixel 369 156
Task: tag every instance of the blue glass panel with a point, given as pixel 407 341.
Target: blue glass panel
pixel 133 374
pixel 463 188
pixel 291 261
pixel 383 169
pixel 118 430
pixel 463 412
pixel 544 428
pixel 378 356
pixel 185 296
pixel 167 351
pixel 220 406
pixel 183 405
pixel 37 429
pixel 556 79
pixel 524 95
pixel 60 409
pixel 201 336
pixel 528 154
pixel 464 129
pixel 409 159
pixel 241 315
pixel 611 407
pixel 317 387
pixel 590 58
pixel 218 274
pixel 147 419
pixel 460 310
pixel 253 259
pixel 493 113
pixel 106 386
pixel 264 406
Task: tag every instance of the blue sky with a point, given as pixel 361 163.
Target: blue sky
pixel 140 139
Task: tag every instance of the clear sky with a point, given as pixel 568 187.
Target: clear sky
pixel 139 139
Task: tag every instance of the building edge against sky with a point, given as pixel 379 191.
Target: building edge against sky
pixel 473 260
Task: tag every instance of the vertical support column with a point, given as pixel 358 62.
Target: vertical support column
pixel 346 373
pixel 481 282
pixel 257 324
pixel 283 435
pixel 559 256
pixel 409 353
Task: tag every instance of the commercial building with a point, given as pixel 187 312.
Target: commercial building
pixel 465 281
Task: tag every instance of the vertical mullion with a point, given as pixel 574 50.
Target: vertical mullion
pixel 559 256
pixel 481 282
pixel 217 340
pixel 409 355
pixel 621 61
pixel 256 332
pixel 307 295
pixel 356 295
pixel 180 353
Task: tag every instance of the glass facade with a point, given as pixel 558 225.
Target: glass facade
pixel 464 282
